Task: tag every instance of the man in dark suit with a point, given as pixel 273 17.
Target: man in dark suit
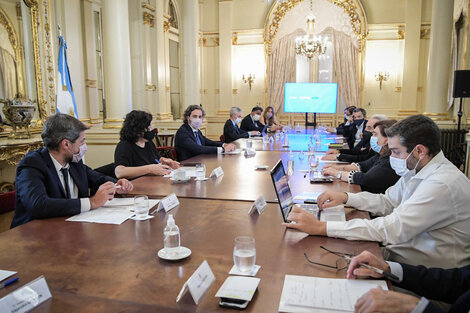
pixel 447 285
pixel 189 140
pixel 53 181
pixel 231 130
pixel 355 130
pixel 251 121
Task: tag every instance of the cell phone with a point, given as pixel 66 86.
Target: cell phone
pixel 189 164
pixel 233 303
pixel 321 180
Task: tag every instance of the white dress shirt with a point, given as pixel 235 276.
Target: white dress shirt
pixel 84 202
pixel 425 218
pixel 359 131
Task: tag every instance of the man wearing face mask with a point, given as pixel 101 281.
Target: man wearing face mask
pixel 189 140
pixel 423 219
pixel 231 130
pixel 354 132
pixel 53 181
pixel 252 121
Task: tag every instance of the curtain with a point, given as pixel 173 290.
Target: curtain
pixel 7 75
pixel 345 56
pixel 281 64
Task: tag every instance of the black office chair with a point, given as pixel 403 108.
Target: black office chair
pixel 107 169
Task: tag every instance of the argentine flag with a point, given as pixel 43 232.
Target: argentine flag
pixel 65 101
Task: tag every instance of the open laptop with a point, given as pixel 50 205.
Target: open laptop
pixel 286 202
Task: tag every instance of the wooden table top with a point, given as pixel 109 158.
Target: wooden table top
pixel 105 268
pixel 241 181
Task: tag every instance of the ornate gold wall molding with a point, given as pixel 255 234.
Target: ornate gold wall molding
pixel 90 83
pixel 148 19
pixel 50 72
pixel 166 26
pixel 150 87
pixel 13 153
pixel 148 7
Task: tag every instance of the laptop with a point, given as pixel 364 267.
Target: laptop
pixel 286 202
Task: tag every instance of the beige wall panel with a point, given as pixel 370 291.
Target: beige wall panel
pixel 423 71
pixel 384 11
pixel 249 14
pixel 210 20
pixel 209 96
pixel 99 154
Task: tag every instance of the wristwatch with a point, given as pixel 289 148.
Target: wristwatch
pixel 338 176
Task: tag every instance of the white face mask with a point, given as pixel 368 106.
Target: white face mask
pixel 81 152
pixel 399 165
pixel 256 117
pixel 345 116
pixel 195 122
pixel 269 115
pixel 238 120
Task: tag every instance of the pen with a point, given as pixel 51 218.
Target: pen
pixel 387 275
pixel 156 160
pixel 116 186
pixel 9 282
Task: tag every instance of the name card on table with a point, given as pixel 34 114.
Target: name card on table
pixel 199 282
pixel 217 172
pixel 168 203
pixel 27 297
pixel 259 205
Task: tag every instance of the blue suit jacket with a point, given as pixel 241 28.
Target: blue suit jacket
pixel 448 285
pixel 187 147
pixel 39 192
pixel 233 133
pixel 247 124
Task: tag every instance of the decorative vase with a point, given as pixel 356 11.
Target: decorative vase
pixel 19 113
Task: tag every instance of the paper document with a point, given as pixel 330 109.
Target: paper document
pixel 308 294
pixel 119 202
pixel 238 287
pixel 104 215
pixel 236 151
pixel 5 274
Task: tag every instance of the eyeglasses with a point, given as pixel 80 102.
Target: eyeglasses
pixel 341 263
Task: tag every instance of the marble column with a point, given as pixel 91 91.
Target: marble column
pixel 138 41
pixel 91 72
pixel 409 94
pixel 439 59
pixel 191 53
pixel 225 57
pixel 117 61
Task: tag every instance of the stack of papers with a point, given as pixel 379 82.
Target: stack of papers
pixel 5 274
pixel 315 294
pixel 116 212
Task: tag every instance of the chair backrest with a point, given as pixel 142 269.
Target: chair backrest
pixel 107 169
pixel 7 210
pixel 222 138
pixel 157 140
pixel 167 152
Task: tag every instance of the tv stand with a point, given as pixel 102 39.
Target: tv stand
pixel 307 123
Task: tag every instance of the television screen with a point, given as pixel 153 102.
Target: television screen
pixel 310 97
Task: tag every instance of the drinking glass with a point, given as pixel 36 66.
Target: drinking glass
pixel 248 143
pixel 200 171
pixel 244 253
pixel 141 206
pixel 265 139
pixel 313 162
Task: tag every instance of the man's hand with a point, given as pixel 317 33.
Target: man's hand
pixel 379 300
pixel 355 269
pixel 254 133
pixel 329 199
pixel 332 151
pixel 329 171
pixel 159 169
pixel 331 130
pixel 329 157
pixel 305 222
pixel 105 192
pixel 126 186
pixel 171 163
pixel 229 147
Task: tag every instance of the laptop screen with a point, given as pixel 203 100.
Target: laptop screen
pixel 281 185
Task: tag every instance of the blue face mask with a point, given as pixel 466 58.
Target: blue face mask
pixel 374 144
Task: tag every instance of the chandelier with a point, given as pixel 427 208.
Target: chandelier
pixel 310 45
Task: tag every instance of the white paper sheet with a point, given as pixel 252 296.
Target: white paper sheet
pixel 300 198
pixel 236 151
pixel 238 287
pixel 308 294
pixel 116 215
pixel 5 274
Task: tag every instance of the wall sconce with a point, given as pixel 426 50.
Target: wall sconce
pixel 250 79
pixel 381 77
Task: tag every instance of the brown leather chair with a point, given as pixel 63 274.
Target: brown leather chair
pixel 222 138
pixel 7 210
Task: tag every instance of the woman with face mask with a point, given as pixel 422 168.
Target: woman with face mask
pixel 375 174
pixel 136 154
pixel 269 118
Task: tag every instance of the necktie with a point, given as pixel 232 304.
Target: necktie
pixel 236 129
pixel 197 139
pixel 65 172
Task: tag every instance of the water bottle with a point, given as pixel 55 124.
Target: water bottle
pixel 171 235
pixel 290 164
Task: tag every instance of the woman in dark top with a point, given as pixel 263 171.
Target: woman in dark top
pixel 136 154
pixel 375 174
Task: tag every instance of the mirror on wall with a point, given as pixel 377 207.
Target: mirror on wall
pixel 19 53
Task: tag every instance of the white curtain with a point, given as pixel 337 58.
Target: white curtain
pixel 345 56
pixel 8 88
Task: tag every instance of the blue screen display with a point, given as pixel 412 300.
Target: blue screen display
pixel 310 97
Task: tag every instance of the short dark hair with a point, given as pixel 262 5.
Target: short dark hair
pixel 360 110
pixel 59 127
pixel 135 124
pixel 415 130
pixel 383 125
pixel 257 108
pixel 350 109
pixel 190 109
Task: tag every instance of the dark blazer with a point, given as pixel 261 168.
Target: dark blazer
pixel 39 193
pixel 341 127
pixel 248 124
pixel 353 155
pixel 350 133
pixel 232 133
pixel 376 174
pixel 186 145
pixel 447 285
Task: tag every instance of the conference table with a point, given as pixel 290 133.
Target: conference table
pixel 101 268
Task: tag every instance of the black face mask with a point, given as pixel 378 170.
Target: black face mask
pixel 358 122
pixel 366 135
pixel 149 135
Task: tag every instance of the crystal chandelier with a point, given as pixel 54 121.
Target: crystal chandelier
pixel 310 45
